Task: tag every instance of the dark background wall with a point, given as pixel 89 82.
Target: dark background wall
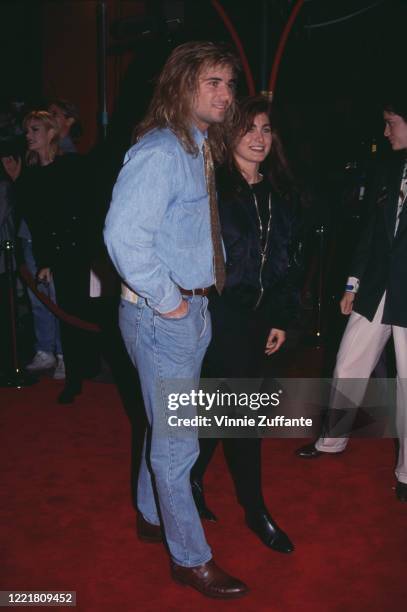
pixel 21 48
pixel 329 84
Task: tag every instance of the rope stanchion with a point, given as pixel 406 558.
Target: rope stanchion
pixel 58 312
pixel 316 271
pixel 14 376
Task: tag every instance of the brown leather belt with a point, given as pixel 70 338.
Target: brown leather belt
pixel 204 291
pixel 130 296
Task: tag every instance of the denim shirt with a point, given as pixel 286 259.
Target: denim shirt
pixel 157 230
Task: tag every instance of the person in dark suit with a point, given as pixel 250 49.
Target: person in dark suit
pixel 259 229
pixel 376 296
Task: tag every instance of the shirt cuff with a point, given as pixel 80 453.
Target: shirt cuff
pixel 352 284
pixel 169 304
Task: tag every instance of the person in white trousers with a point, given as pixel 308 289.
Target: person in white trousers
pixel 376 298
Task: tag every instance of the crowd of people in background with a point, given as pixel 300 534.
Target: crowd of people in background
pixel 46 212
pixel 162 232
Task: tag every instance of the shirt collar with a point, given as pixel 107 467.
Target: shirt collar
pixel 198 136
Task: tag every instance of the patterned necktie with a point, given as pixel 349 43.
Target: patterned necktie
pixel 218 259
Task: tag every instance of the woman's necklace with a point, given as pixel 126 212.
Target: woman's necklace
pixel 263 247
pixel 257 179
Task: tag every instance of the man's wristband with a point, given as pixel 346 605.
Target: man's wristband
pixel 352 285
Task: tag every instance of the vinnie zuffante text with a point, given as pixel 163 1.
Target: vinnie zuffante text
pixel 219 400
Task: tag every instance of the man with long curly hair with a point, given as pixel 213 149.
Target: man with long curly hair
pixel 162 233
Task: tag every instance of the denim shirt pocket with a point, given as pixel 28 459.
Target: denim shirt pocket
pixel 193 227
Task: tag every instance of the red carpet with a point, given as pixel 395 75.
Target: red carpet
pixel 67 520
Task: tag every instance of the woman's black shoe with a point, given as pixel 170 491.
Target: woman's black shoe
pixel 401 491
pixel 68 393
pixel 261 523
pixel 199 498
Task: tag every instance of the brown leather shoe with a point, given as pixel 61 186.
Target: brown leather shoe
pixel 147 532
pixel 209 580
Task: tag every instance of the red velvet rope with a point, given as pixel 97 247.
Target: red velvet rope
pixel 70 319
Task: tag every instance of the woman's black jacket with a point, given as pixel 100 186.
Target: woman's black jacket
pixel 51 199
pixel 281 272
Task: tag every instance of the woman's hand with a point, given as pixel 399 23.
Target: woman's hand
pixel 275 339
pixel 346 302
pixel 44 275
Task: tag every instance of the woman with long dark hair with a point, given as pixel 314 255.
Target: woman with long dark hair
pixel 257 208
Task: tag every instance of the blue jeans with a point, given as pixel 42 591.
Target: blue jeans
pixel 46 325
pixel 168 354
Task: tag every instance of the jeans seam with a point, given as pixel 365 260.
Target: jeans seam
pixel 204 310
pixel 170 443
pixel 131 346
pixel 138 325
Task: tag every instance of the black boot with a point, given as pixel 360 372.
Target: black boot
pixel 261 523
pixel 69 392
pixel 401 491
pixel 199 498
pixel 309 451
